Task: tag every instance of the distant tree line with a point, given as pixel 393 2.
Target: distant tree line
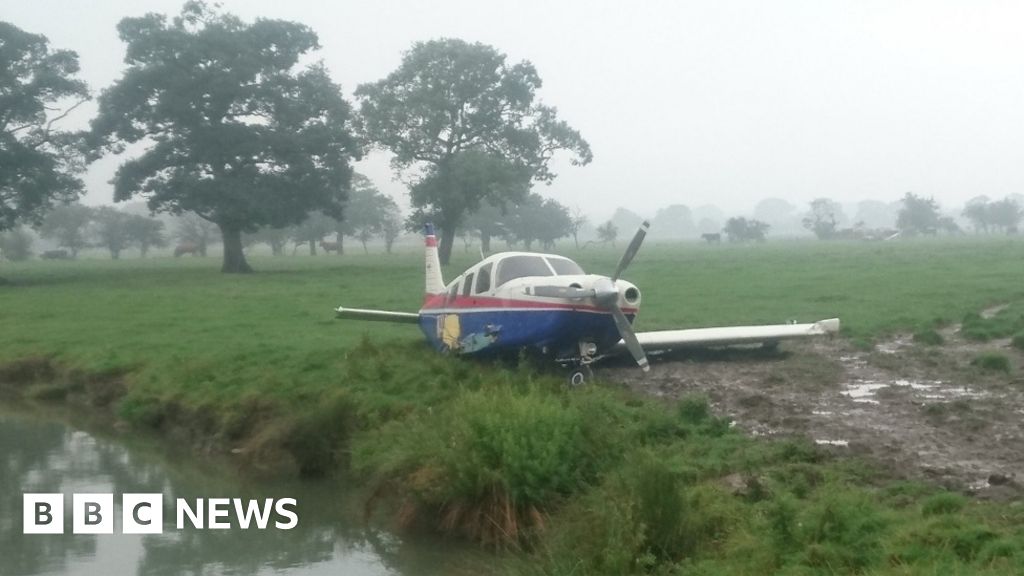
pixel 237 131
pixel 248 143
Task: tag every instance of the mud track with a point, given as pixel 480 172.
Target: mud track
pixel 921 412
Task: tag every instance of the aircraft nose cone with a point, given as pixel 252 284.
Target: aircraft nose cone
pixel 605 292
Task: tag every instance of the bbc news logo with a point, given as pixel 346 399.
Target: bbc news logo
pixel 144 513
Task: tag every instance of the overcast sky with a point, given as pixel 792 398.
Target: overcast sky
pixel 687 102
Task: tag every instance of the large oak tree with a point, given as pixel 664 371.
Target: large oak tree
pixel 455 111
pixel 38 162
pixel 235 130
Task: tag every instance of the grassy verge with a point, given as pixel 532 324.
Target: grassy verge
pixel 591 481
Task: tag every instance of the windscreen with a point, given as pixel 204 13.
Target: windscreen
pixel 565 267
pixel 520 266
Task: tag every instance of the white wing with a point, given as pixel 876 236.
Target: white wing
pixel 376 315
pixel 710 337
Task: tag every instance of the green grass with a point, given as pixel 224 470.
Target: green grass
pixel 992 361
pixel 1003 324
pixel 590 481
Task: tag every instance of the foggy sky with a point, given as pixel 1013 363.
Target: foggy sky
pixel 685 102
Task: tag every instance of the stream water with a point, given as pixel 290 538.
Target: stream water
pixel 41 455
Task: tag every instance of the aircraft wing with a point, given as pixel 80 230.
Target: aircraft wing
pixel 732 335
pixel 377 315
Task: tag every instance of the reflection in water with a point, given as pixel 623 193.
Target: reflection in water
pixel 44 456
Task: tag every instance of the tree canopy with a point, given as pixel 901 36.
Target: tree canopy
pixel 824 218
pixel 38 162
pixel 988 216
pixel 745 230
pixel 608 232
pixel 918 215
pixel 368 212
pixel 539 219
pixel 471 121
pixel 68 225
pixel 236 132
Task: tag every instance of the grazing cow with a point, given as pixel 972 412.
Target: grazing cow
pixel 187 248
pixel 712 238
pixel 55 255
pixel 330 246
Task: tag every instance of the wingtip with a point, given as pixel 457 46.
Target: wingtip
pixel 830 326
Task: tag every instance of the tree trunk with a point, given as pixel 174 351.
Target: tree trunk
pixel 234 257
pixel 144 249
pixel 444 251
pixel 115 254
pixel 365 249
pixel 312 248
pixel 341 245
pixel 576 239
pixel 485 241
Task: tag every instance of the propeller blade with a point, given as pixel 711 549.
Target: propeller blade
pixel 561 292
pixel 629 337
pixel 632 249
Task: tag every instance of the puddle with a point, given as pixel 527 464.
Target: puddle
pixel 854 361
pixel 864 390
pixel 832 442
pixel 989 313
pixel 894 346
pixel 979 484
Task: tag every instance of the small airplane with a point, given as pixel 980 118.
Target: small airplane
pixel 512 301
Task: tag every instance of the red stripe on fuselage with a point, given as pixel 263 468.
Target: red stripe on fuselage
pixel 431 242
pixel 469 303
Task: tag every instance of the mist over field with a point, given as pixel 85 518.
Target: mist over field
pixel 686 103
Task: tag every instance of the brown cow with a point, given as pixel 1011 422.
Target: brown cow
pixel 187 248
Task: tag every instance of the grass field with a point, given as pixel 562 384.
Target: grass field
pixel 593 481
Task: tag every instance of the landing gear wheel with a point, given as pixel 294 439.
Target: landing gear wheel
pixel 580 376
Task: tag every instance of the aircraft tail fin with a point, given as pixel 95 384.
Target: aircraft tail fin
pixel 435 282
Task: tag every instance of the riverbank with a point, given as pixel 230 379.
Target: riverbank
pixel 598 480
pixel 52 450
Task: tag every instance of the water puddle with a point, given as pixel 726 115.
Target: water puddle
pixel 979 485
pixel 864 391
pixel 992 311
pixel 894 346
pixel 820 442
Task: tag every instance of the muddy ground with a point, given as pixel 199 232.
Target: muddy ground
pixel 920 412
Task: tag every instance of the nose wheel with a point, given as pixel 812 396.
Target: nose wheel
pixel 580 375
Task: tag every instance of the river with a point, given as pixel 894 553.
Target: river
pixel 40 454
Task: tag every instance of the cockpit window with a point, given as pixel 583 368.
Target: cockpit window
pixel 483 279
pixel 514 267
pixel 565 267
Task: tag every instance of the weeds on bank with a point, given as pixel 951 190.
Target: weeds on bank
pixel 992 362
pixel 1003 324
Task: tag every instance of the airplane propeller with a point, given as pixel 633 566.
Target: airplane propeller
pixel 606 294
pixel 621 322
